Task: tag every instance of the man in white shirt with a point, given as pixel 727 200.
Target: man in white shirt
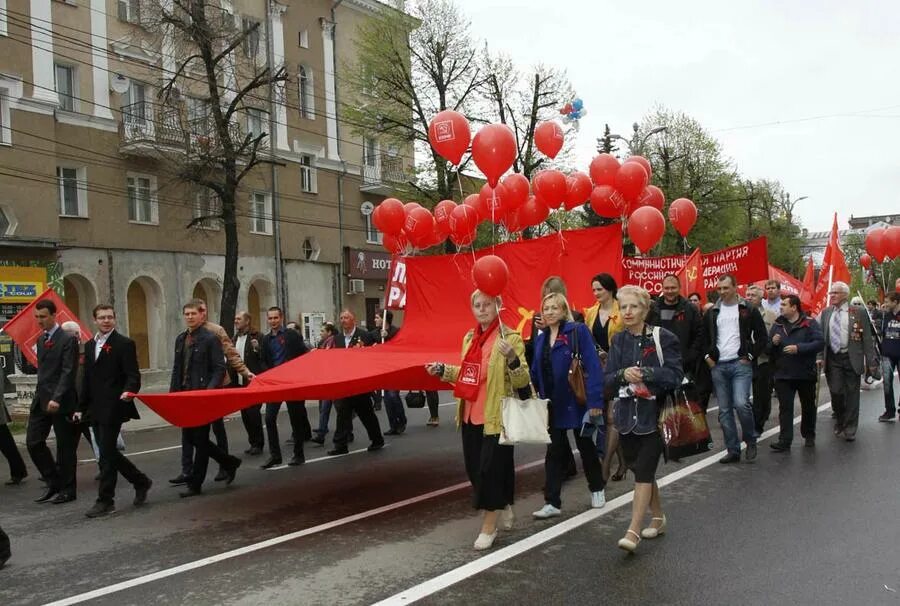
pixel 772 302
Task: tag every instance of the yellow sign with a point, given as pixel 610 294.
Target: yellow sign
pixel 21 284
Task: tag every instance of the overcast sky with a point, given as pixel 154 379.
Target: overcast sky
pixel 825 71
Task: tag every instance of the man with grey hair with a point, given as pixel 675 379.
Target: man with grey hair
pixel 762 370
pixel 849 352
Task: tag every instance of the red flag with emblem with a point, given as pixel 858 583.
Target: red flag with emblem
pixel 834 269
pixel 24 329
pixel 691 277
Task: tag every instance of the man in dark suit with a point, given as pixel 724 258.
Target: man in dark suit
pixel 246 342
pixel 111 378
pixel 200 364
pixel 279 346
pixel 849 352
pixel 54 401
pixel 353 336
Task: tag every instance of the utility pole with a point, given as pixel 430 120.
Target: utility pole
pixel 280 290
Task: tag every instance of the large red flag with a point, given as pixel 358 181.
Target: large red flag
pixel 834 269
pixel 806 293
pixel 691 276
pixel 24 329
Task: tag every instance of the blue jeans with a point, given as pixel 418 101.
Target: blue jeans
pixel 393 407
pixel 732 381
pixel 888 370
pixel 324 415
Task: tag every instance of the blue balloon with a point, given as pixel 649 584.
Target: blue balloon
pixel 577 104
pixel 575 115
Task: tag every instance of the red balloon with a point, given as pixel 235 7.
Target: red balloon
pixel 463 240
pixel 865 260
pixel 376 218
pixel 875 244
pixel 533 212
pixel 437 237
pixel 494 151
pixel 442 212
pixel 645 227
pixel 578 189
pixel 550 185
pixel 604 169
pixel 892 242
pixel 517 190
pixel 512 221
pixel 631 181
pixel 652 196
pixel 391 216
pixel 549 139
pixel 643 162
pixel 475 202
pixel 394 244
pixel 419 227
pixel 607 202
pixel 409 206
pixel 683 215
pixel 449 135
pixel 493 199
pixel 463 221
pixel 490 274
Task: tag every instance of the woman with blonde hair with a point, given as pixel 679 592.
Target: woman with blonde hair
pixel 560 341
pixel 492 367
pixel 641 375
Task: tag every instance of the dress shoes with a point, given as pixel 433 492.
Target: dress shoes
pixel 231 472
pixel 318 439
pixel 181 479
pixel 393 432
pixel 221 476
pixel 779 447
pixel 51 492
pixel 272 462
pixel 63 498
pixel 253 451
pixel 337 451
pixel 810 442
pixel 15 480
pixel 375 446
pixel 297 461
pixel 731 457
pixel 140 493
pixel 750 453
pixel 190 492
pixel 101 509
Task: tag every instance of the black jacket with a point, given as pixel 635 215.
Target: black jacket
pixel 206 368
pixel 752 331
pixel 359 336
pixel 293 344
pixel 113 372
pixel 683 320
pixel 375 334
pixel 56 369
pixel 252 358
pixel 806 334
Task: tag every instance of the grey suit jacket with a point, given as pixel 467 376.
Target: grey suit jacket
pixel 860 344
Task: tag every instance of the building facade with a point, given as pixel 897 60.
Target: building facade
pixel 89 151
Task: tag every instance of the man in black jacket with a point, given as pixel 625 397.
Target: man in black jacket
pixel 734 336
pixel 111 378
pixel 55 400
pixel 281 345
pixel 246 342
pixel 677 315
pixel 353 336
pixel 200 364
pixel 393 405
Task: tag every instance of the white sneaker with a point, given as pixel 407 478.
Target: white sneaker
pixel 484 541
pixel 598 499
pixel 507 518
pixel 547 511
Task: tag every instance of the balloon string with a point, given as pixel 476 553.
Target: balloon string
pixel 559 230
pixel 459 182
pixel 493 220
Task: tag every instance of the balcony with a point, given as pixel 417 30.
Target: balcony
pixel 203 138
pixel 149 128
pixel 382 174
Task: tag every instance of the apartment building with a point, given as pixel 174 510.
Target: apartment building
pixel 88 145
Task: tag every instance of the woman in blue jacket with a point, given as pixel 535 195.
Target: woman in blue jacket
pixel 554 348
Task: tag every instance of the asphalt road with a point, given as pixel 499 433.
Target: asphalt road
pixel 812 526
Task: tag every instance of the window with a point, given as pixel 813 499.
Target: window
pixel 130 11
pixel 308 174
pixel 307 100
pixel 303 38
pixel 373 236
pixel 311 249
pixel 72 191
pixel 5 128
pixel 135 106
pixel 257 123
pixel 142 204
pixel 312 326
pixel 370 152
pixel 3 32
pixel 207 208
pixel 250 44
pixel 4 222
pixel 65 86
pixel 260 213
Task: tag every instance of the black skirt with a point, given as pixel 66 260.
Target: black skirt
pixel 490 467
pixel 642 453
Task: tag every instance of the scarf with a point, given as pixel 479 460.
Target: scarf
pixel 470 375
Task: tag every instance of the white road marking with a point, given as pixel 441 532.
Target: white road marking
pixel 327 458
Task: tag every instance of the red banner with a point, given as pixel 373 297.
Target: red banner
pixel 438 314
pixel 395 294
pixel 25 332
pixel 748 263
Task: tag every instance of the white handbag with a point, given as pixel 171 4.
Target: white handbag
pixel 524 421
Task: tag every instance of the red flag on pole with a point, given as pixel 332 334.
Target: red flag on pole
pixel 24 329
pixel 809 285
pixel 834 269
pixel 691 277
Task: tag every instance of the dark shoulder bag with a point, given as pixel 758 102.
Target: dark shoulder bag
pixel 576 372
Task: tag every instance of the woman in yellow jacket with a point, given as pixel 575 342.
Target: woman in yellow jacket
pixel 493 366
pixel 604 321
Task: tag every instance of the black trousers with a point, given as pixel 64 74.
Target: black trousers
pixel 5 552
pixel 490 467
pixel 762 395
pixel 786 390
pixel 431 398
pixel 843 383
pixel 556 464
pixel 362 405
pixel 299 426
pixel 253 423
pixel 9 450
pixel 113 462
pixel 60 474
pixel 204 449
pixel 187 450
